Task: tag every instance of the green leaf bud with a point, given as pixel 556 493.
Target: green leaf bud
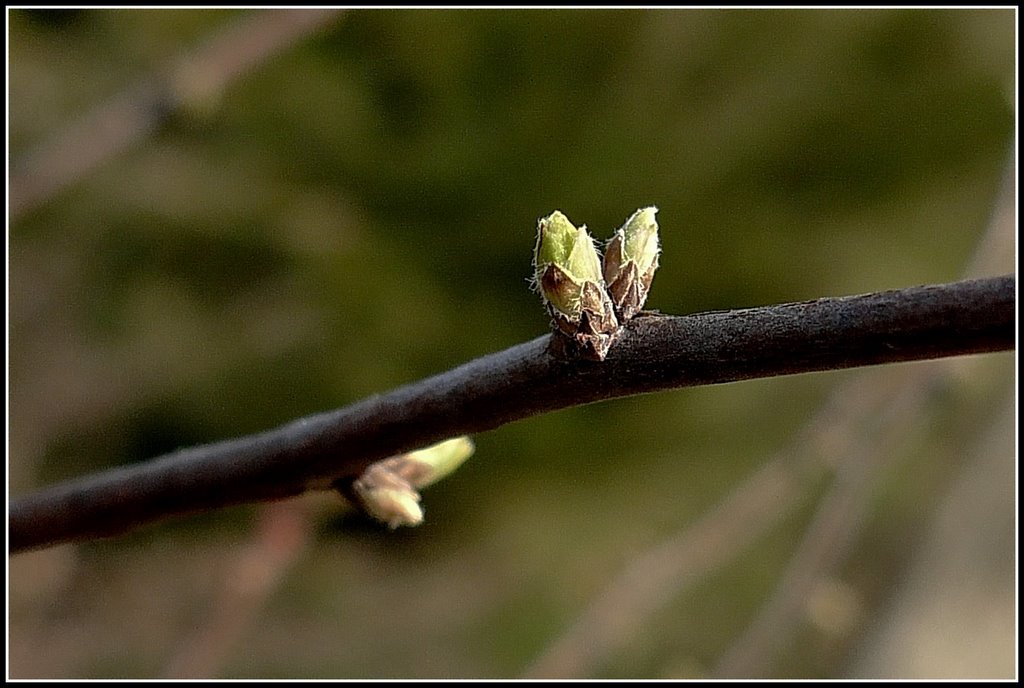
pixel 565 258
pixel 630 262
pixel 387 489
pixel 567 270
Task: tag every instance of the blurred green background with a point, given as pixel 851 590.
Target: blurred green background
pixel 358 212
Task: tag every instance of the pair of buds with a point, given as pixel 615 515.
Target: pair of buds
pixel 589 299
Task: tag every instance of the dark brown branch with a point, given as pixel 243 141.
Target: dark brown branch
pixel 654 353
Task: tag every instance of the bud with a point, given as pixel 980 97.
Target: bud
pixel 630 262
pixel 387 489
pixel 571 251
pixel 567 269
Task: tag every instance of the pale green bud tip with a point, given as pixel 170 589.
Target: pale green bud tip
pixel 440 460
pixel 641 238
pixel 556 236
pixel 583 263
pixel 571 249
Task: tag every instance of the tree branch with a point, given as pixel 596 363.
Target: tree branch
pixel 654 353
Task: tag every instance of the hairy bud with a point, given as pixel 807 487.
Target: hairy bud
pixel 630 262
pixel 567 270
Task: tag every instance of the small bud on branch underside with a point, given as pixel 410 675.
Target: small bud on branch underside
pixel 387 489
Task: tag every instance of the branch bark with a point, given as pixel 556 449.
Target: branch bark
pixel 654 353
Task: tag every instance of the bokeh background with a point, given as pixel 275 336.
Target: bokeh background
pixel 354 209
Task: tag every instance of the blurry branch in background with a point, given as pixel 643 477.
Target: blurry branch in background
pixel 886 407
pixel 618 615
pixel 654 353
pixel 251 575
pixel 194 81
pixel 856 434
pixel 829 538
